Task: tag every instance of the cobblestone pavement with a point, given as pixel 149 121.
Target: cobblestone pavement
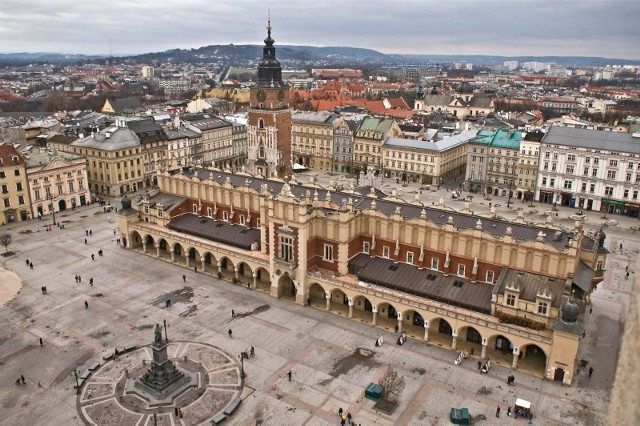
pixel 331 358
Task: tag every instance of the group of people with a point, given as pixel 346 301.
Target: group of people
pixel 402 338
pixel 249 353
pixel 43 289
pixel 29 264
pixel 345 417
pixel 510 379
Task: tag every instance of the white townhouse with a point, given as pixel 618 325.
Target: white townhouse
pixel 590 170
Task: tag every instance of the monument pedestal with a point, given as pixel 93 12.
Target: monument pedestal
pixel 163 381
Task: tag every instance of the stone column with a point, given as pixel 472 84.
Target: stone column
pixel 328 297
pixel 426 331
pixel 202 262
pixel 158 250
pixel 454 339
pixel 235 271
pixel 186 259
pixel 514 364
pixel 144 247
pixel 374 308
pixel 350 308
pixel 484 348
pixel 399 322
pixel 254 283
pixel 219 267
pixel 173 255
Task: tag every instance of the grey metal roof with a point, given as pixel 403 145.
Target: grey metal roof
pixel 44 158
pixel 216 230
pixel 437 146
pixel 313 117
pixel 592 139
pixel 119 138
pixel 530 285
pixel 428 283
pixel 494 226
pixel 584 277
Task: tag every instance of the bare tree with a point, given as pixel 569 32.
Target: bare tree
pixel 392 385
pixel 5 240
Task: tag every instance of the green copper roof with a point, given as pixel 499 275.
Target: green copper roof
pixel 509 139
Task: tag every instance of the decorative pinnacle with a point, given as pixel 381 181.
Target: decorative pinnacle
pixel 269 23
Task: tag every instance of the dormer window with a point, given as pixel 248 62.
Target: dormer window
pixel 543 308
pixel 225 216
pixel 511 300
pixel 195 208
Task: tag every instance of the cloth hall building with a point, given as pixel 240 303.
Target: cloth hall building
pixel 477 284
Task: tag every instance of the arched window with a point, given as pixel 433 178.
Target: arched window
pixel 261 123
pixel 261 152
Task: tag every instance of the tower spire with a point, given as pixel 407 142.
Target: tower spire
pixel 269 23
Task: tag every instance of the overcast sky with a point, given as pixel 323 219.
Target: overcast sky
pixel 607 28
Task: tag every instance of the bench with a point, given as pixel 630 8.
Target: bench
pixel 129 348
pixel 218 419
pixel 85 375
pixel 94 367
pixel 232 406
pixel 79 385
pixel 107 357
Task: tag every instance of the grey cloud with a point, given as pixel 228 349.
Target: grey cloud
pixel 516 27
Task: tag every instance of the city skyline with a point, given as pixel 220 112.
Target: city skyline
pixel 559 28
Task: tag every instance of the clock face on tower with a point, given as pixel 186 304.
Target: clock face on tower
pixel 260 95
pixel 281 95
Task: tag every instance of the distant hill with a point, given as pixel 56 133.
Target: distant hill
pixel 232 54
pixel 25 57
pixel 492 60
pixel 247 52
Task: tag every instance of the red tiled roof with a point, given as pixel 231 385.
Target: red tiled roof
pixel 8 153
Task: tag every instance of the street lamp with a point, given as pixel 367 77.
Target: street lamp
pixel 53 210
pixel 510 191
pixel 242 373
pixel 75 372
pixel 166 337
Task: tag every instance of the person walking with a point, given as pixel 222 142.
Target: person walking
pixel 233 313
pixel 85 241
pixel 340 411
pixel 590 371
pixel 91 282
pixel 86 304
pixel 230 333
pixel 289 375
pixel 28 263
pixel 93 256
pixel 41 342
pixel 498 411
pixel 252 352
pixel 184 278
pixel 22 379
pixel 86 232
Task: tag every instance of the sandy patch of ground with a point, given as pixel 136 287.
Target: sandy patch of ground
pixel 10 285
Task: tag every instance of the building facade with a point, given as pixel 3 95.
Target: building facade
pixel 15 206
pixel 115 159
pixel 590 170
pixel 428 162
pixel 216 141
pixel 57 182
pixel 527 170
pixel 343 145
pixel 312 140
pixel 450 278
pixel 367 142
